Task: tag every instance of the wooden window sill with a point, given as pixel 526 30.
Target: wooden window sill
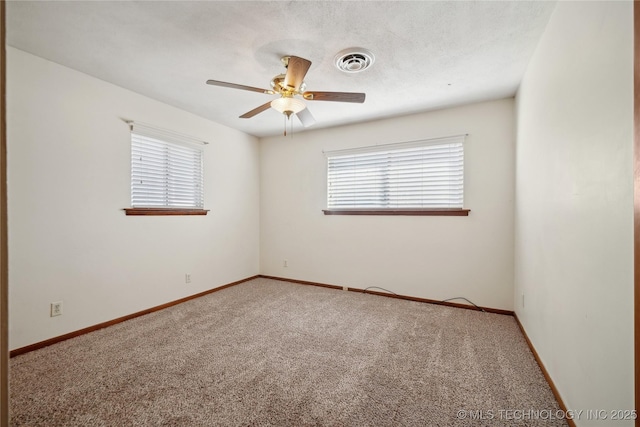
pixel 410 212
pixel 164 211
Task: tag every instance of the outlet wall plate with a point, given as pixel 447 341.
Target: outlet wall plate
pixel 56 309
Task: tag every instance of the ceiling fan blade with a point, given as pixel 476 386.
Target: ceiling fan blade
pixel 296 70
pixel 235 86
pixel 335 96
pixel 255 111
pixel 306 118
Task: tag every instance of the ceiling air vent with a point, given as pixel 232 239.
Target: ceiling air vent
pixel 354 60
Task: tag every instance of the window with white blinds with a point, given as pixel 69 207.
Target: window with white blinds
pixel 420 174
pixel 166 170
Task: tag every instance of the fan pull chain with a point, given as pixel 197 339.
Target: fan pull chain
pixel 285 124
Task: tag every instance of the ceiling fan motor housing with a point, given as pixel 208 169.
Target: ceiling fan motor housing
pixel 277 83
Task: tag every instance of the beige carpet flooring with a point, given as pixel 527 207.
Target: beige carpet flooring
pixel 270 353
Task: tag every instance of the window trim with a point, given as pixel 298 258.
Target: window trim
pixel 164 211
pixel 395 211
pixel 405 212
pixel 169 137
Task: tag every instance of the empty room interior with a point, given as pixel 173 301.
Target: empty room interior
pixel 320 213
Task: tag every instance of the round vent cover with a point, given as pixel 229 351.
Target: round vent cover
pixel 354 60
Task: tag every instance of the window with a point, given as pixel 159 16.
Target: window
pixel 414 178
pixel 166 173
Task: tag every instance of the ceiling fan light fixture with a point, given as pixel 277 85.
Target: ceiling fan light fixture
pixel 286 104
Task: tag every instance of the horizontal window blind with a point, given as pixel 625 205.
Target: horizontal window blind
pixel 166 172
pixel 419 174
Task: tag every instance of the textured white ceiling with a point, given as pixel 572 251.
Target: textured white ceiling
pixel 428 54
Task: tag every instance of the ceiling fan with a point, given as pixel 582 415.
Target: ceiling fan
pixel 289 85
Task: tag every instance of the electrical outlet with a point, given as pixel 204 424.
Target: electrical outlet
pixel 56 309
pixel 285 263
pixel 187 278
pixel 344 288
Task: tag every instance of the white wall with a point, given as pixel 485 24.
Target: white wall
pixel 69 178
pixel 574 223
pixel 429 257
